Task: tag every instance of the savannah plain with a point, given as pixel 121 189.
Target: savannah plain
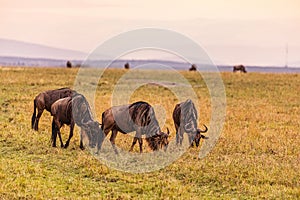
pixel 256 157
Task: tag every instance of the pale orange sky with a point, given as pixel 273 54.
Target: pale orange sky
pixel 82 25
pixel 158 9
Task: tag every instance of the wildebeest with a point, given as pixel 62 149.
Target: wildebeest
pixel 193 67
pixel 69 64
pixel 45 100
pixel 239 68
pixel 185 119
pixel 126 66
pixel 74 110
pixel 139 117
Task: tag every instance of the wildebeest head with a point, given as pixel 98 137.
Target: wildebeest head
pixel 158 141
pixel 198 136
pixel 163 140
pixel 93 131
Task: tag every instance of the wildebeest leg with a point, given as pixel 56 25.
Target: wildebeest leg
pixel 81 143
pixel 112 139
pixel 137 137
pixel 56 130
pixel 141 144
pixel 58 126
pixel 70 135
pixel 59 135
pixel 177 136
pixel 180 135
pixel 133 143
pixel 33 114
pixel 140 139
pixel 36 121
pixel 54 134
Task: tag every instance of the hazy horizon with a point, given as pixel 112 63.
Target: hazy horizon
pixel 231 32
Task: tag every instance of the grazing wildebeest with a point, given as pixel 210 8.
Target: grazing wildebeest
pixel 193 67
pixel 185 120
pixel 69 64
pixel 45 100
pixel 239 68
pixel 139 117
pixel 126 66
pixel 70 111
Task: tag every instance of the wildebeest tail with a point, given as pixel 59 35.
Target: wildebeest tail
pixel 102 125
pixel 34 114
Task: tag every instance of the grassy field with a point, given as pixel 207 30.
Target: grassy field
pixel 256 157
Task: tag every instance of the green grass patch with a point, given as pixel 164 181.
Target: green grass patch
pixel 256 157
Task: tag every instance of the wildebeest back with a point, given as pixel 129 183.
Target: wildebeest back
pixel 50 96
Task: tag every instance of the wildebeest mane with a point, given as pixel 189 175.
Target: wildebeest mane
pixel 148 122
pixel 140 109
pixel 153 126
pixel 188 113
pixel 81 109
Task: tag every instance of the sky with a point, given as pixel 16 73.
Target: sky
pixel 234 31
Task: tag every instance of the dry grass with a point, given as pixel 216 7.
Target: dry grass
pixel 257 156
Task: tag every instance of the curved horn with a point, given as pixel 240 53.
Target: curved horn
pixel 203 131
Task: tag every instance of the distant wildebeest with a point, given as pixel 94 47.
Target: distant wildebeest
pixel 70 111
pixel 139 117
pixel 126 66
pixel 185 119
pixel 69 64
pixel 45 100
pixel 239 68
pixel 193 67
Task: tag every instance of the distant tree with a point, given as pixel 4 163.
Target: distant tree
pixel 193 67
pixel 69 64
pixel 126 66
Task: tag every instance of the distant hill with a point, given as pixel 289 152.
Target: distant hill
pixel 15 48
pixel 35 62
pixel 45 62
